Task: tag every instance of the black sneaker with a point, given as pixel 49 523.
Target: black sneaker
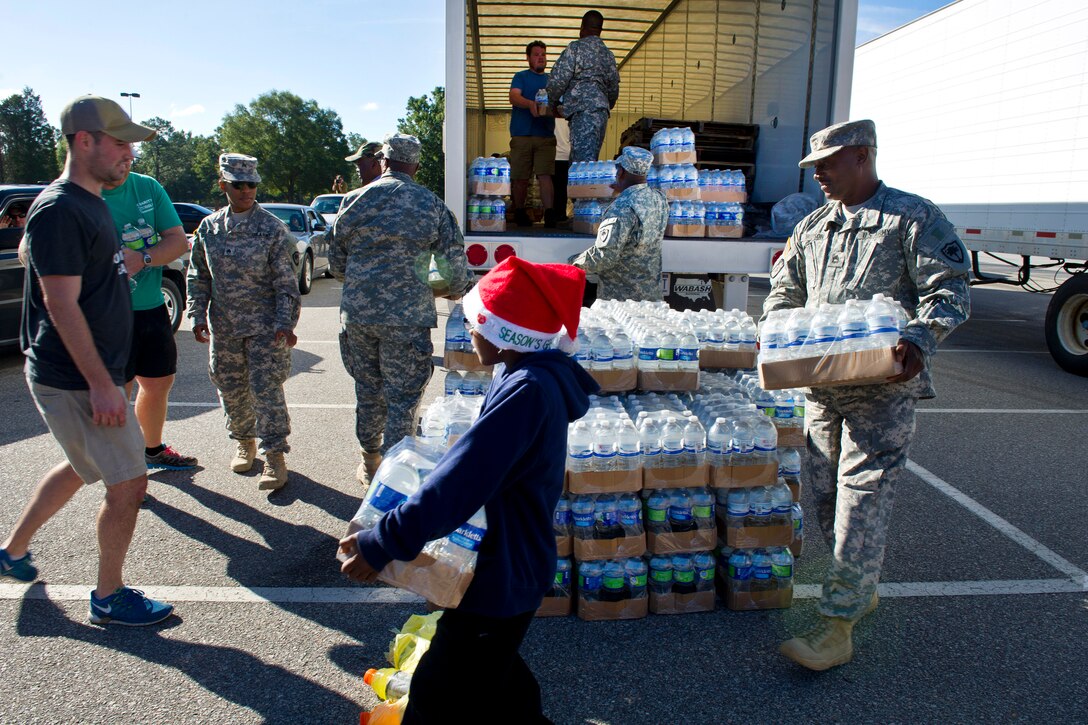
pixel 170 459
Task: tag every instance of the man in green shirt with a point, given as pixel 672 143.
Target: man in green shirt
pixel 151 237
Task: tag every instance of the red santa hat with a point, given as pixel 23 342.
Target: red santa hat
pixel 523 306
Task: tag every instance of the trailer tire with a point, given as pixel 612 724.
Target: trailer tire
pixel 1067 325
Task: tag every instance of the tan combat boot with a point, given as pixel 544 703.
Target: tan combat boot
pixel 243 457
pixel 368 468
pixel 824 646
pixel 872 604
pixel 275 472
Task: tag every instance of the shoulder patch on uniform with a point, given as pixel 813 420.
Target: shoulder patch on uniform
pixel 953 251
pixel 604 232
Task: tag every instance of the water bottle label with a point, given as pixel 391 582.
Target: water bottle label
pixel 562 579
pixel 684 577
pixel 637 581
pixel 623 356
pixel 651 452
pixel 703 512
pixel 589 583
pixel 647 353
pixel 582 455
pixel 782 571
pixel 797 526
pixel 662 576
pixel 584 520
pixel 706 575
pixel 604 453
pixel 386 499
pixel 666 353
pixel 563 518
pixel 762 509
pixel 764 448
pixel 783 412
pixel 768 411
pixel 657 516
pixel 737 510
pixel 689 354
pixel 613 582
pixel 761 572
pixel 630 454
pixel 468 537
pixel 629 518
pixel 798 411
pixel 740 573
pixel 678 513
pixel 606 518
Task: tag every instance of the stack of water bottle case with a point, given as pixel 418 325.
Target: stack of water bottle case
pixel 489 182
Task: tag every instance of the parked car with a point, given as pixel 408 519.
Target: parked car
pixel 312 253
pixel 327 205
pixel 191 215
pixel 14 198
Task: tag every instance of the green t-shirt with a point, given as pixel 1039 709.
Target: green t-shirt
pixel 141 211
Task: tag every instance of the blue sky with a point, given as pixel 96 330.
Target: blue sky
pixel 192 62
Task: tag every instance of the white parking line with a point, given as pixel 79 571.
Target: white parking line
pixel 1063 565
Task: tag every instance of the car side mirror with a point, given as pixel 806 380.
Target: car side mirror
pixel 319 227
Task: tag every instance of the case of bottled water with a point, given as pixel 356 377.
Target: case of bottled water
pixel 673 146
pixel 681 583
pixel 613 589
pixel 443 571
pixel 559 600
pixel 756 578
pixel 489 176
pixel 458 353
pixel 591 180
pixel 604 450
pixel 831 344
pixel 607 525
pixel 679 520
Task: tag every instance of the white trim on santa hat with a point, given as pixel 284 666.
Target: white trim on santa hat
pixel 504 334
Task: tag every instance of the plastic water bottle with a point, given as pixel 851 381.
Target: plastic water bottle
pixel 688 351
pixel 582 517
pixel 782 567
pixel 760 507
pixel 561 586
pixel 628 447
pixel 473 384
pixel 542 102
pixel 762 580
pixel 771 338
pixel 460 547
pixel 590 574
pixel 742 442
pixel 622 351
pixel 765 402
pixel 737 508
pixel 453 383
pixel 602 352
pixel 789 465
pixel 583 355
pixel 613 581
pixel 666 353
pixel 883 324
pixel 740 571
pixel 683 574
pixel 781 502
pixel 797 329
pixel 748 335
pixel 672 444
pixel 681 517
pixel 650 443
pixel 563 519
pixel 823 332
pixel 606 516
pixel 717 443
pixel 580 448
pixel 661 574
pixel 702 508
pixel 657 512
pixel 604 446
pixel 764 440
pixel 853 328
pixel 647 351
pixel 797 516
pixel 694 443
pixel 397 481
pixel 635 571
pixel 630 514
pixel 703 562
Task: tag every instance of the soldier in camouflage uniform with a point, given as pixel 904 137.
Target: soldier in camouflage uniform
pixel 242 278
pixel 384 240
pixel 626 257
pixel 585 78
pixel 867 239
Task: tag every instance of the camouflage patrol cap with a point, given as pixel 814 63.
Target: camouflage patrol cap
pixel 370 150
pixel 95 113
pixel 636 160
pixel 401 147
pixel 239 167
pixel 833 138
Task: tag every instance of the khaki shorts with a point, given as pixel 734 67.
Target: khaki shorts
pixel 96 452
pixel 531 155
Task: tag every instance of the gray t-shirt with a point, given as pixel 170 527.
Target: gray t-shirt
pixel 70 233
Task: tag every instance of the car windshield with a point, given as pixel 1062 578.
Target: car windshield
pixel 327 204
pixel 291 217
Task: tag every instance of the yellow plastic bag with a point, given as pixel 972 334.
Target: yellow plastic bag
pixel 412 641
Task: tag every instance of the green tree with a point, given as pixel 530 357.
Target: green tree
pixel 300 146
pixel 424 121
pixel 26 140
pixel 171 157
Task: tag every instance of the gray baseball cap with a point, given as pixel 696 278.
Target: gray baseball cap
pixel 95 113
pixel 239 167
pixel 833 138
pixel 370 150
pixel 401 147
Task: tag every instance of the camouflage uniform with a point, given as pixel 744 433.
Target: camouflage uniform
pixel 384 240
pixel 626 257
pixel 244 281
pixel 586 79
pixel 858 436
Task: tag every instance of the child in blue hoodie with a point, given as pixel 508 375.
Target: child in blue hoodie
pixel 523 317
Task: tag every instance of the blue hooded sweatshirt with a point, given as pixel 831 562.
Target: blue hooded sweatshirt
pixel 511 462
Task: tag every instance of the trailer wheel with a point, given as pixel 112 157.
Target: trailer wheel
pixel 1067 325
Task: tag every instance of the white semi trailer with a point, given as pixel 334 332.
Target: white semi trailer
pixel 982 106
pixel 782 65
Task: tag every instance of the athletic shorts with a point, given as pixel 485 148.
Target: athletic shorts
pixel 154 354
pixel 96 452
pixel 531 155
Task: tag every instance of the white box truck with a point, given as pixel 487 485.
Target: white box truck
pixel 982 106
pixel 782 65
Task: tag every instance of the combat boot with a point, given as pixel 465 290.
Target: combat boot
pixel 368 468
pixel 824 646
pixel 275 472
pixel 243 457
pixel 873 604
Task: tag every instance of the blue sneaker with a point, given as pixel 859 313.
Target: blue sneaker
pixel 128 607
pixel 20 569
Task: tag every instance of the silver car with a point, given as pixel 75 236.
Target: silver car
pixel 312 254
pixel 327 205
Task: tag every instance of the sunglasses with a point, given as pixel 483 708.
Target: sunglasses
pixel 17 214
pixel 244 184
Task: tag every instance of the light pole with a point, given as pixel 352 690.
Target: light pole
pixel 130 96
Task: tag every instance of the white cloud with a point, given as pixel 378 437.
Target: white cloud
pixel 192 110
pixel 372 106
pixel 5 92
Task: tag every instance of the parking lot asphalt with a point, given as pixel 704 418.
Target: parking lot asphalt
pixel 984 600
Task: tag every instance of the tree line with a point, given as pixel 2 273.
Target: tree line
pixel 301 147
